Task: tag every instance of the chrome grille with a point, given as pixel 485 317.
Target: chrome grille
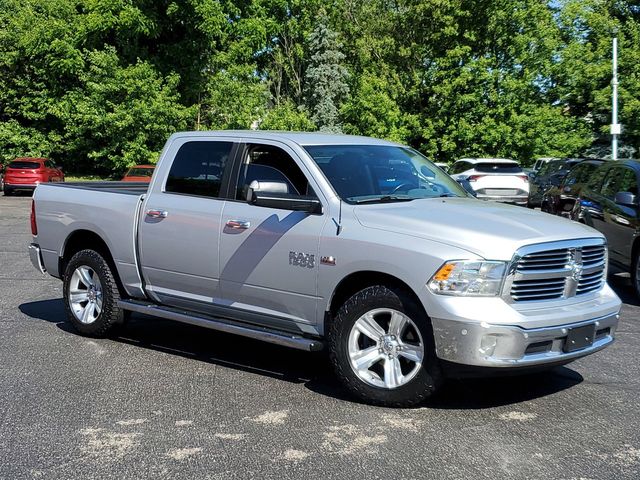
pixel 537 289
pixel 593 255
pixel 590 282
pixel 546 260
pixel 557 270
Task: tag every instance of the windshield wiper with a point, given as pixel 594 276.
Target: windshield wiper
pixel 384 199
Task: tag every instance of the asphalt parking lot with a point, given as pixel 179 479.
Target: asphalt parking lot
pixel 165 400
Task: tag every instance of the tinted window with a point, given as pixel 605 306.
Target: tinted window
pixel 628 182
pixel 612 182
pixel 364 173
pixel 585 172
pixel 496 167
pixel 198 168
pixel 460 167
pixel 595 181
pixel 19 164
pixel 574 175
pixel 140 172
pixel 266 163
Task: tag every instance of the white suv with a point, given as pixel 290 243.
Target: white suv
pixel 497 179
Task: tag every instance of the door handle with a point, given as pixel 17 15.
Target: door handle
pixel 157 213
pixel 238 224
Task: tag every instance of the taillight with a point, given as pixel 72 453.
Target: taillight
pixel 473 178
pixel 524 177
pixel 34 226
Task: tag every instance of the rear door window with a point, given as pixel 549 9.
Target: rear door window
pixel 628 182
pixel 613 182
pixel 198 168
pixel 24 165
pixel 595 182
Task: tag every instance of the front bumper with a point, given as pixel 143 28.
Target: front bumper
pixel 489 345
pixel 36 258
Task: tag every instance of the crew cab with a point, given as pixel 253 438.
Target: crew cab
pixel 303 240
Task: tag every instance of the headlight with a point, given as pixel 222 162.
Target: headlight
pixel 469 277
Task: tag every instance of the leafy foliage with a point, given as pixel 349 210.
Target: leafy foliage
pixel 98 85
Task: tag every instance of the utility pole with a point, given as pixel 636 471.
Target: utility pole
pixel 615 126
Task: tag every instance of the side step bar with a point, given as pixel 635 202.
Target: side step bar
pixel 259 333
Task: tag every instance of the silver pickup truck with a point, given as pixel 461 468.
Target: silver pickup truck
pixel 312 240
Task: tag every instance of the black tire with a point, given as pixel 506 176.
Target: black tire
pixel 7 191
pixel 110 315
pixel 429 377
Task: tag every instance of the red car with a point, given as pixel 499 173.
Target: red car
pixel 139 173
pixel 27 173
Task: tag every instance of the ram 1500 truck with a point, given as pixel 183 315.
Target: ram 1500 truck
pixel 311 240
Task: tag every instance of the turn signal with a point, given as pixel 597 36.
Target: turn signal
pixel 444 272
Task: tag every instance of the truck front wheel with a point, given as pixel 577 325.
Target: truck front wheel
pixel 381 347
pixel 91 294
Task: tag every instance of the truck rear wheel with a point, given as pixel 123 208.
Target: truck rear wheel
pixel 381 347
pixel 91 294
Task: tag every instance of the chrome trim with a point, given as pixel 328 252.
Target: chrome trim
pixel 229 326
pixel 464 342
pixel 36 258
pixel 157 213
pixel 238 224
pixel 572 272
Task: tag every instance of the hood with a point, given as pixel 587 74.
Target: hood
pixel 493 231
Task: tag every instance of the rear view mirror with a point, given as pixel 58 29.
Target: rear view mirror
pixel 276 195
pixel 268 187
pixel 625 198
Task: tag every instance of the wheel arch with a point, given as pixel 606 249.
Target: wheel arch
pixel 83 239
pixel 356 281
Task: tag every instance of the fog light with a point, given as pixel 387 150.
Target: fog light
pixel 488 345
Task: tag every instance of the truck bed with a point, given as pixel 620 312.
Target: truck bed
pixel 107 209
pixel 127 188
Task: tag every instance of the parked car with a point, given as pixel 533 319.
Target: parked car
pixel 609 203
pixel 541 161
pixel 496 179
pixel 443 166
pixel 27 173
pixel 288 238
pixel 550 175
pixel 139 173
pixel 561 199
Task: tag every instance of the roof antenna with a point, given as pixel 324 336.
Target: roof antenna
pixel 339 222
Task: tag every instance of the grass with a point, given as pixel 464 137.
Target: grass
pixel 87 178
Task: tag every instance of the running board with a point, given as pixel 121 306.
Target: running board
pixel 259 333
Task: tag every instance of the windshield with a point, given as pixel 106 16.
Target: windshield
pixel 380 173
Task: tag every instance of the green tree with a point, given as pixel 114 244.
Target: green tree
pixel 326 77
